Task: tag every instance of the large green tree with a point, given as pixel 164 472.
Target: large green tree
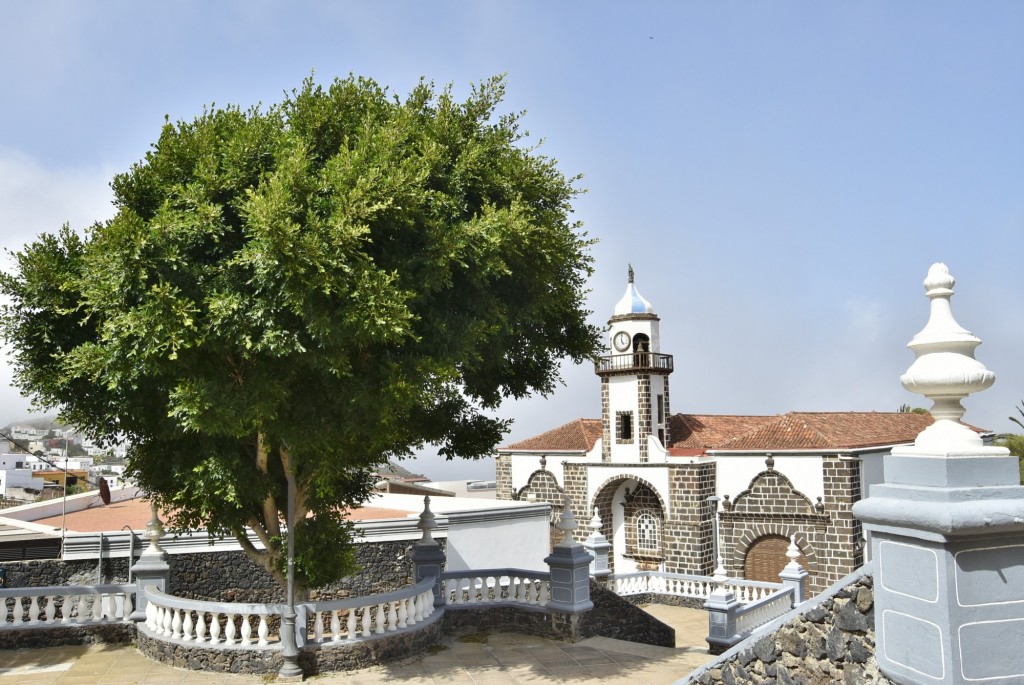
pixel 311 288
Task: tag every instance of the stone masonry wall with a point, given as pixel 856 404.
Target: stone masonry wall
pixel 644 410
pixel 843 551
pixel 503 476
pixel 832 642
pixel 227 576
pixel 770 506
pixel 51 572
pixel 689 541
pixel 574 483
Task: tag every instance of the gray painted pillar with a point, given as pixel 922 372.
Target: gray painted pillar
pixel 947 528
pixel 722 605
pixel 793 574
pixel 152 569
pixel 597 546
pixel 570 569
pixel 428 559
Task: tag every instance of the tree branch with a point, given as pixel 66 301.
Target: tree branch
pixel 270 516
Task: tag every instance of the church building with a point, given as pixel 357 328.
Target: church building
pixel 657 480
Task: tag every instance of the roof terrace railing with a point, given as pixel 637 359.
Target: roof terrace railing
pixel 634 362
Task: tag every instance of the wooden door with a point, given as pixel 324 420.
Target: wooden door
pixel 767 557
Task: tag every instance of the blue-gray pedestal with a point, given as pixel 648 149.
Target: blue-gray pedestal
pixel 949 585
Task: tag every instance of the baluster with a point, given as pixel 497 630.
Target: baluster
pixel 214 628
pixel 424 603
pixel 394 622
pixel 229 630
pixel 528 594
pixel 517 595
pixel 33 610
pixel 366 621
pixel 3 611
pixel 83 609
pixel 18 610
pixel 65 609
pixel 176 623
pixel 382 614
pixel 335 626
pixel 318 627
pixel 51 608
pixel 413 610
pixel 186 626
pixel 397 617
pixel 457 593
pixel 263 630
pixel 350 624
pixel 165 621
pixel 543 598
pixel 200 626
pixel 247 630
pixel 128 607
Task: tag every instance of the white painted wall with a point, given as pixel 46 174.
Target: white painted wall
pixel 17 478
pixel 622 564
pixel 736 472
pixel 656 476
pixel 14 461
pixel 517 543
pixel 622 396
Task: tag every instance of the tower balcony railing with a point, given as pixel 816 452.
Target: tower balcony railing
pixel 634 362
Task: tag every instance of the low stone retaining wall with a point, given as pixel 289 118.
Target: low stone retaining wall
pixel 314 658
pixel 617 617
pixel 59 635
pixel 828 640
pixel 612 616
pixel 667 600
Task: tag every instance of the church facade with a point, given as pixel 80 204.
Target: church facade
pixel 658 480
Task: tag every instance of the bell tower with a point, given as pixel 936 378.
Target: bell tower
pixel 634 380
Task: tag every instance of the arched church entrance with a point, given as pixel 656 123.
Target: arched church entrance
pixel 633 519
pixel 766 558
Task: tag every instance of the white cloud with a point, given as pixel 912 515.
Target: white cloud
pixel 35 199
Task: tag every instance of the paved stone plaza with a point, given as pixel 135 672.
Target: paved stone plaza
pixel 494 659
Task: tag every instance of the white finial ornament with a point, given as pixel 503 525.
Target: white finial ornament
pixel 945 370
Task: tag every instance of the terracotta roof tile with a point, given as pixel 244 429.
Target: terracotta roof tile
pixel 832 430
pixel 707 431
pixel 581 434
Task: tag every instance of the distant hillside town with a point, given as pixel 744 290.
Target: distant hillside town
pixel 43 460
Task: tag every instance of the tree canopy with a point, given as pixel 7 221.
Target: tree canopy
pixel 317 286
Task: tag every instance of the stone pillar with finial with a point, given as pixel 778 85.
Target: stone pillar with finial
pixel 947 527
pixel 152 569
pixel 793 574
pixel 722 605
pixel 570 569
pixel 428 559
pixel 597 546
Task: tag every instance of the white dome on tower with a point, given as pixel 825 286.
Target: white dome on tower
pixel 633 302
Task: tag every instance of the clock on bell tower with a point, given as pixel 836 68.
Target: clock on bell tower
pixel 634 381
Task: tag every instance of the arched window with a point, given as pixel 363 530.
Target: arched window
pixel 647 533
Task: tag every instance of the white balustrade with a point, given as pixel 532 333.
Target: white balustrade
pixel 762 611
pixel 48 606
pixel 686 585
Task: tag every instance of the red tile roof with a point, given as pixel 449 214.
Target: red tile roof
pixel 581 434
pixel 692 433
pixel 831 430
pixel 707 431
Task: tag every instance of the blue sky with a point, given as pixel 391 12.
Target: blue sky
pixel 780 174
